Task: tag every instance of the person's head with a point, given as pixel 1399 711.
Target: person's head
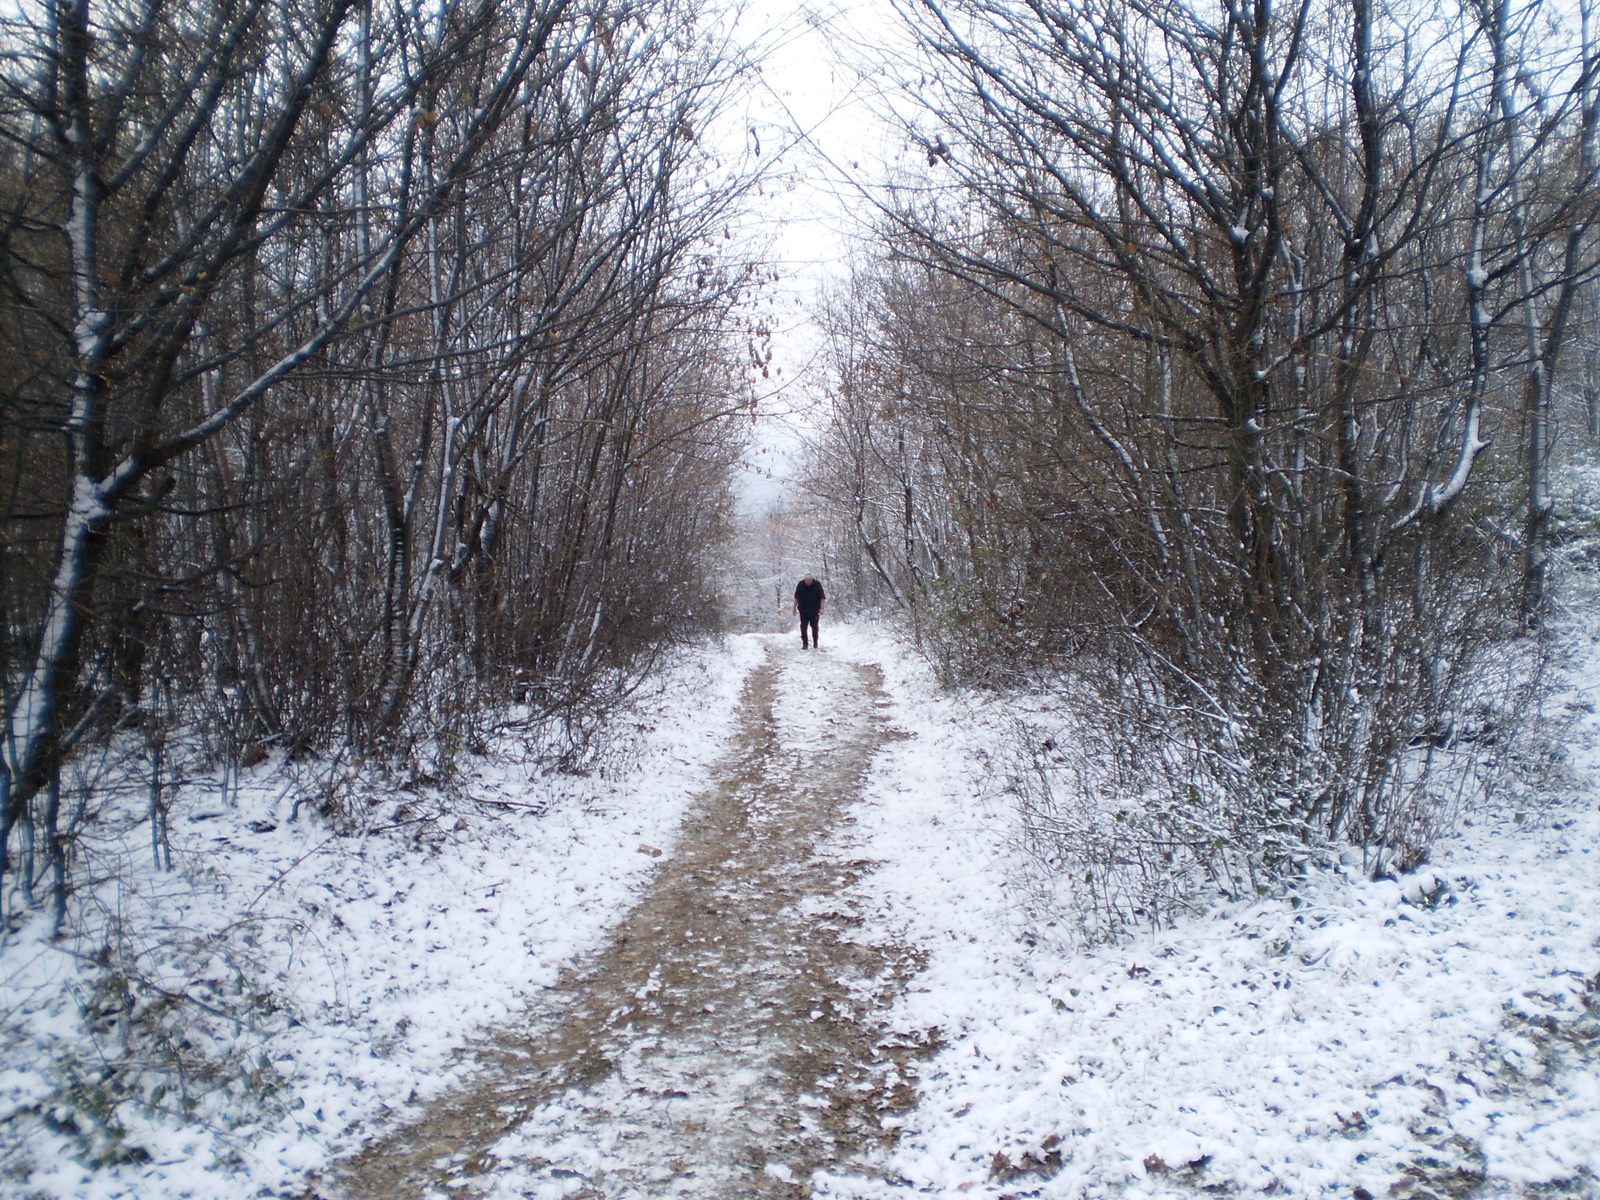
pixel 808 579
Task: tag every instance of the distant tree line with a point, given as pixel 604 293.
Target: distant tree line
pixel 363 366
pixel 1210 372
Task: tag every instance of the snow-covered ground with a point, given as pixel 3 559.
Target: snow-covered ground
pixel 1413 1037
pixel 362 964
pixel 1433 1036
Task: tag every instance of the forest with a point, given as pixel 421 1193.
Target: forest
pixel 368 369
pixel 1207 396
pixel 1216 384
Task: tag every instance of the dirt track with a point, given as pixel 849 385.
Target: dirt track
pixel 727 1041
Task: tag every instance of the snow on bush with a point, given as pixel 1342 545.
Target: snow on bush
pixel 324 948
pixel 1434 1034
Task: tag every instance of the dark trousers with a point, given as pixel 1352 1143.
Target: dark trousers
pixel 811 620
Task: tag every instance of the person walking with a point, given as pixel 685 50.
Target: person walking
pixel 808 601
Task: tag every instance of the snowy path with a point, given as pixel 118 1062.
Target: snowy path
pixel 727 1040
pixel 828 984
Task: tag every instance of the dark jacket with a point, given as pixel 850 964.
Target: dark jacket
pixel 808 598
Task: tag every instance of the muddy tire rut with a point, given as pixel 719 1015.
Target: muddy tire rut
pixel 730 1038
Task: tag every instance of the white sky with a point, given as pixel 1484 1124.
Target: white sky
pixel 813 107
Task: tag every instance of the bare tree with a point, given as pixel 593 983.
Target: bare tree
pixel 1214 314
pixel 342 337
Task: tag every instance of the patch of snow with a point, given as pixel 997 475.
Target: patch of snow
pixel 391 949
pixel 1345 1034
pixel 1340 1036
